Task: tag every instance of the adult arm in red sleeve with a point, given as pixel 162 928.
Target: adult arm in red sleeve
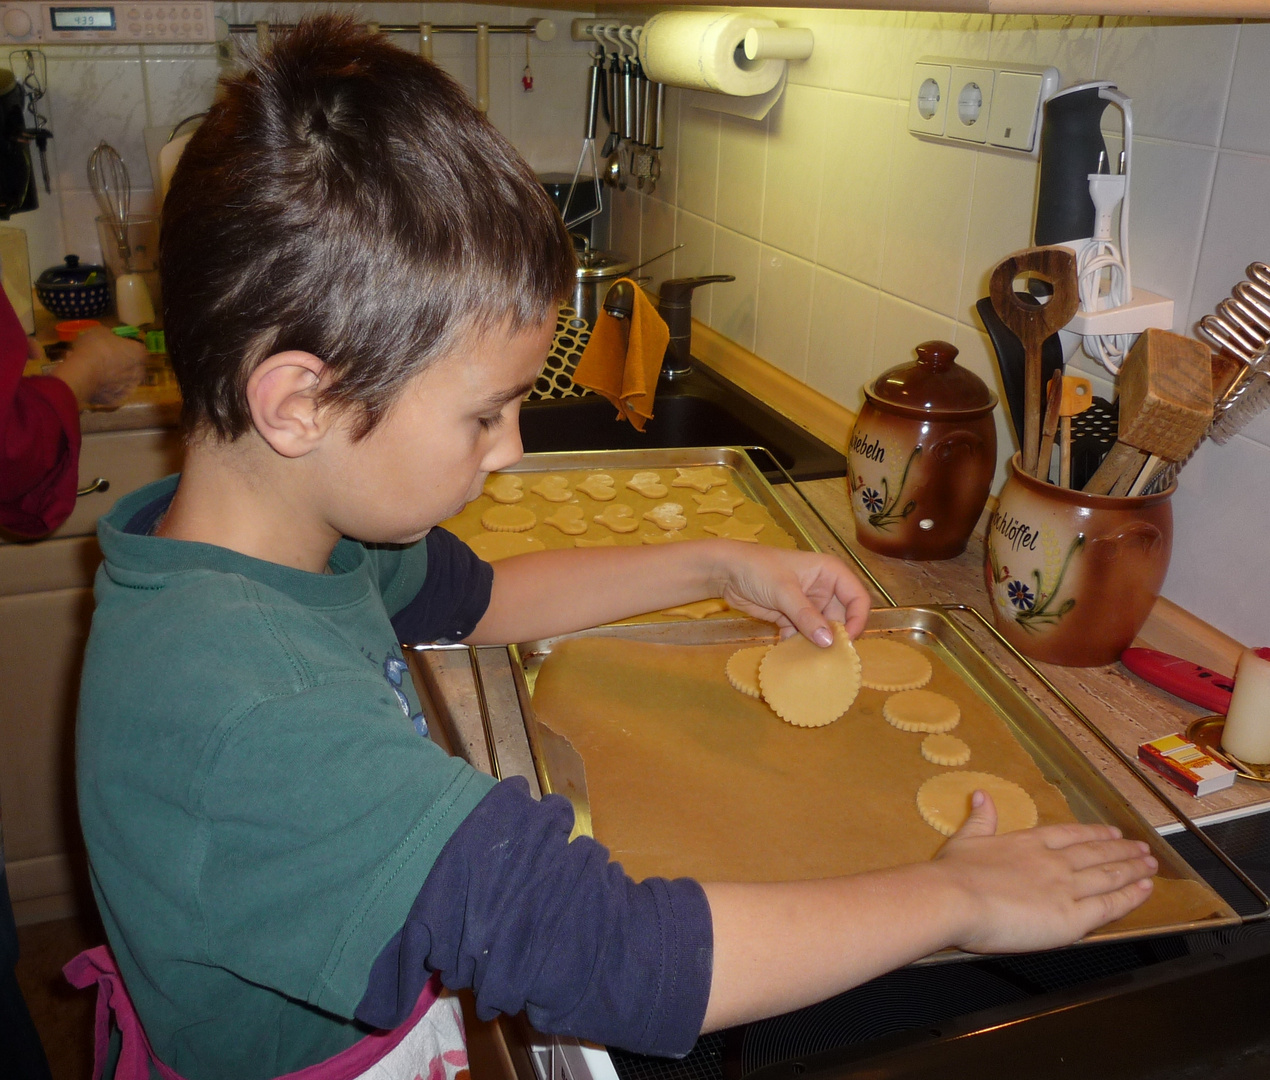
pixel 39 439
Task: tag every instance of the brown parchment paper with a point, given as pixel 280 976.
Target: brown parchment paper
pixel 687 777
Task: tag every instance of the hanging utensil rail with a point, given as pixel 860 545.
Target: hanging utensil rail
pixel 542 29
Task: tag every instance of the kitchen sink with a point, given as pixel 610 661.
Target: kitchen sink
pixel 697 409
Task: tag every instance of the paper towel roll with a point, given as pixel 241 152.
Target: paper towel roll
pixel 705 50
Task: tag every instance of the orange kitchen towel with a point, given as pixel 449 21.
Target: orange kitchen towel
pixel 623 366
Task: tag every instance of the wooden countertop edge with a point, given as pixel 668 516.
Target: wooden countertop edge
pixel 1169 628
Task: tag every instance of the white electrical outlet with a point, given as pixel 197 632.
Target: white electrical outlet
pixel 997 106
pixel 970 102
pixel 928 102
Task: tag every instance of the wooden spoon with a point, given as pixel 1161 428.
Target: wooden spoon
pixel 1033 323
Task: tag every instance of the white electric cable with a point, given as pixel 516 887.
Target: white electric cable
pixel 1100 260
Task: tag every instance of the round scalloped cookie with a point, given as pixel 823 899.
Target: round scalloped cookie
pixel 944 801
pixel 891 665
pixel 941 749
pixel 810 686
pixel 742 669
pixel 921 710
pixel 513 519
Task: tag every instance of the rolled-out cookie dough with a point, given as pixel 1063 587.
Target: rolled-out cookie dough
pixel 553 488
pixel 649 485
pixel 505 488
pixel 891 665
pixel 599 486
pixel 698 609
pixel 944 801
pixel 921 710
pixel 513 519
pixel 663 537
pixel 600 541
pixel 667 515
pixel 742 669
pixel 940 749
pixel 619 517
pixel 492 546
pixel 568 519
pixel 703 478
pixel 810 686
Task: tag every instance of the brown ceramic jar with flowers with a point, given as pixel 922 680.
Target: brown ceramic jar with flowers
pixel 922 455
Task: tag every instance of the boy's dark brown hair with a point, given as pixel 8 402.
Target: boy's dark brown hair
pixel 344 198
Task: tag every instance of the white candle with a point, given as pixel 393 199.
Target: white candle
pixel 1247 732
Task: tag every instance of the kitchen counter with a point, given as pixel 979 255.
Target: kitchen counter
pixel 1126 709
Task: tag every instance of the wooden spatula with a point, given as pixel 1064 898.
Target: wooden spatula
pixel 1056 266
pixel 1166 405
pixel 1049 428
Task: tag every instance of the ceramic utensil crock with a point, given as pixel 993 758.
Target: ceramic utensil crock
pixel 922 455
pixel 1072 576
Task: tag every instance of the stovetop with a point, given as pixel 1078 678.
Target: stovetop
pixel 1187 1005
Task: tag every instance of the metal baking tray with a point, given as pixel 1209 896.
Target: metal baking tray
pixel 1089 794
pixel 747 477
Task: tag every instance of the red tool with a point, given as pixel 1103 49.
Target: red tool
pixel 1191 682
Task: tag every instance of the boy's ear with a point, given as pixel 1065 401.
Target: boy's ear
pixel 282 395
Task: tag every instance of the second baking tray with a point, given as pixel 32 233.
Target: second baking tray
pixel 1088 793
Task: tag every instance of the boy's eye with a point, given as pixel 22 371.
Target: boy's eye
pixel 488 423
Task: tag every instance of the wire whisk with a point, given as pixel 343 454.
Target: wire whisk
pixel 108 177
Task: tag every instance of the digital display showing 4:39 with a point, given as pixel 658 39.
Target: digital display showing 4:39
pixel 82 18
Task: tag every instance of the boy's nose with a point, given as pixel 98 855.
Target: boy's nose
pixel 508 450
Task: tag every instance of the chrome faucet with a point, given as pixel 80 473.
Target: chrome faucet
pixel 674 305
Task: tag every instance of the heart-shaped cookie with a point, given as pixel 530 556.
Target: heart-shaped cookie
pixel 648 484
pixel 599 486
pixel 667 515
pixel 568 519
pixel 619 517
pixel 505 488
pixel 552 488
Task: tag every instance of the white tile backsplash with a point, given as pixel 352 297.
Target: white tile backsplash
pixel 851 241
pixel 898 237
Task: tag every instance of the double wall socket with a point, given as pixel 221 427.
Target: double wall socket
pixel 997 106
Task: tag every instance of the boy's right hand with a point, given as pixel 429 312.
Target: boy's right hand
pixel 1041 888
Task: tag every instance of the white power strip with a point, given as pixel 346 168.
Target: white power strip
pixel 134 22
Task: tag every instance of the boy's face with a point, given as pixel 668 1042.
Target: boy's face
pixel 455 423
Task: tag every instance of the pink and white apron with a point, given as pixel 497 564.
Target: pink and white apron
pixel 430 1045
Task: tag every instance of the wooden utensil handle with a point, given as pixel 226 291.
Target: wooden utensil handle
pixel 1120 459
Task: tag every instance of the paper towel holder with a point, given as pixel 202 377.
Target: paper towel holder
pixel 778 43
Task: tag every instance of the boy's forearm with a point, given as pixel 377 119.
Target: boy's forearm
pixel 555 592
pixel 784 945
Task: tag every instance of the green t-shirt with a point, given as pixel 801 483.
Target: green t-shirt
pixel 259 808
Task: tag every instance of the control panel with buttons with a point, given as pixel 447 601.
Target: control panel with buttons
pixel 77 23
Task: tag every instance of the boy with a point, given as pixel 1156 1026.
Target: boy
pixel 360 281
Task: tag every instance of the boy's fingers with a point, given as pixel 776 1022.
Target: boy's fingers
pixel 1109 877
pixel 1096 852
pixel 1057 837
pixel 1110 906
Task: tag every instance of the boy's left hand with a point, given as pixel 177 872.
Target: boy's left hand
pixel 799 591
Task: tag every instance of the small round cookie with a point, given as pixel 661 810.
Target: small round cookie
pixel 944 801
pixel 649 485
pixel 891 665
pixel 505 488
pixel 742 669
pixel 808 686
pixel 553 488
pixel 568 519
pixel 940 749
pixel 509 519
pixel 492 546
pixel 921 710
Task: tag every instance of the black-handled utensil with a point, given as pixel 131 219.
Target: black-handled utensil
pixel 1009 352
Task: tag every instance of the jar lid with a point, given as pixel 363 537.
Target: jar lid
pixel 934 383
pixel 71 272
pixel 593 265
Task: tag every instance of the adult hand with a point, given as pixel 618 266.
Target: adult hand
pixel 799 591
pixel 1041 888
pixel 102 368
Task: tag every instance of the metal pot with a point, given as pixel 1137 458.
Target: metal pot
pixel 596 272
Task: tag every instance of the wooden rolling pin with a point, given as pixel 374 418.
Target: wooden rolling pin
pixel 1166 405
